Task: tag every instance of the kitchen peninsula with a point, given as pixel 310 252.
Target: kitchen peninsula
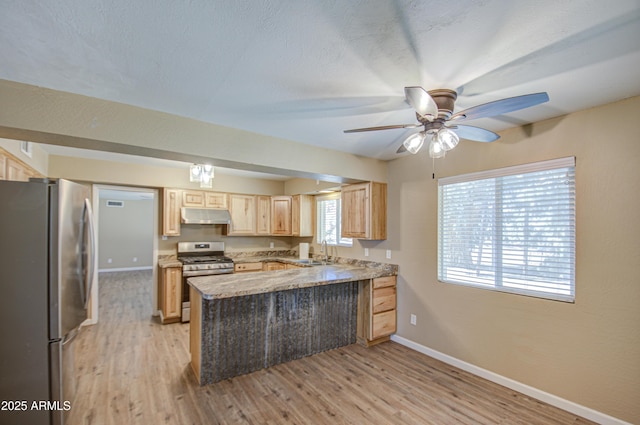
pixel 248 321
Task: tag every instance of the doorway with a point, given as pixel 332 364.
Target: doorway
pixel 126 221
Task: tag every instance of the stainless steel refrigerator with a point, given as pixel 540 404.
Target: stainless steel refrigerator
pixel 47 258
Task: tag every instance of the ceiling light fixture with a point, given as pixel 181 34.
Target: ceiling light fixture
pixel 414 142
pixel 436 150
pixel 447 138
pixel 202 173
pixel 440 141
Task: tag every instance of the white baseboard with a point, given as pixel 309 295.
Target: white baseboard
pixel 88 322
pixel 551 399
pixel 125 269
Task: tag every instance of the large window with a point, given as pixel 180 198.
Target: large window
pixel 328 220
pixel 511 229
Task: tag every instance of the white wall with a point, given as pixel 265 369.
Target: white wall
pixel 126 235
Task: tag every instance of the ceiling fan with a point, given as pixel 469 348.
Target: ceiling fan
pixel 434 111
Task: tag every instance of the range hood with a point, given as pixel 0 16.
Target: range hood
pixel 204 216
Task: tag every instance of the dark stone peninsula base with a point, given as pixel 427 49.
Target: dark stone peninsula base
pixel 243 334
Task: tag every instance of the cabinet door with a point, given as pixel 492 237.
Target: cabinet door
pixel 273 265
pixel 243 214
pixel 16 171
pixel 383 299
pixel 364 211
pixel 171 212
pixel 193 199
pixel 302 215
pixel 248 267
pixel 3 159
pixel 263 212
pixel 383 324
pixel 281 215
pixel 216 200
pixel 355 211
pixel 172 303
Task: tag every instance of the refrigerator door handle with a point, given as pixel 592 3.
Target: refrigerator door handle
pixel 93 253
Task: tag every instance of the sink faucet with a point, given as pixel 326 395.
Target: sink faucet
pixel 325 250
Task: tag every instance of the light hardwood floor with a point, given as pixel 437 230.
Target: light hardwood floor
pixel 132 370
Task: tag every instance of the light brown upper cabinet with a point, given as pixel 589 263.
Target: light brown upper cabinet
pixel 281 215
pixel 171 199
pixel 364 211
pixel 12 168
pixel 15 170
pixel 263 212
pixel 202 199
pixel 3 159
pixel 243 214
pixel 302 215
pixel 216 200
pixel 193 199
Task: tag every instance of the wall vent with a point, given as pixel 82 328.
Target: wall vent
pixel 116 204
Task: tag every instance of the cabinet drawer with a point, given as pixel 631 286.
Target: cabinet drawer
pixel 216 200
pixel 383 299
pixel 383 324
pixel 192 198
pixel 248 267
pixel 381 282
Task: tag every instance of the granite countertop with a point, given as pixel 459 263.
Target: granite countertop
pixel 270 259
pixel 240 284
pixel 170 261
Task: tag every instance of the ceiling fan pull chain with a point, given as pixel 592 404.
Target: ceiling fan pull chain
pixel 433 168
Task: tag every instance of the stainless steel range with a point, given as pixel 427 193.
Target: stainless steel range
pixel 200 259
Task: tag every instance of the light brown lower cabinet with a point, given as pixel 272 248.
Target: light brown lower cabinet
pixel 195 331
pixel 247 267
pixel 273 265
pixel 376 310
pixel 171 294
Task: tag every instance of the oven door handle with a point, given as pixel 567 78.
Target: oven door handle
pixel 197 273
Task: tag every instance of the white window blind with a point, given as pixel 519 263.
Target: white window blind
pixel 328 221
pixel 511 229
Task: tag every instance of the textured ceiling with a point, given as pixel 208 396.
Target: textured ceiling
pixel 306 70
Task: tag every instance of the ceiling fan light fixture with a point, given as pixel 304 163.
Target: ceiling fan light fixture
pixel 414 142
pixel 448 139
pixel 436 150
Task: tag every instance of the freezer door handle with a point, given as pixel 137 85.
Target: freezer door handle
pixel 63 375
pixel 91 256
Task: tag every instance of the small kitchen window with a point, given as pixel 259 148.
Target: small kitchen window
pixel 510 230
pixel 26 148
pixel 328 220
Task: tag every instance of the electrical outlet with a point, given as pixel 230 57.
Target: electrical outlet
pixel 135 259
pixel 366 252
pixel 110 260
pixel 164 237
pixel 414 319
pixel 271 245
pixel 388 254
